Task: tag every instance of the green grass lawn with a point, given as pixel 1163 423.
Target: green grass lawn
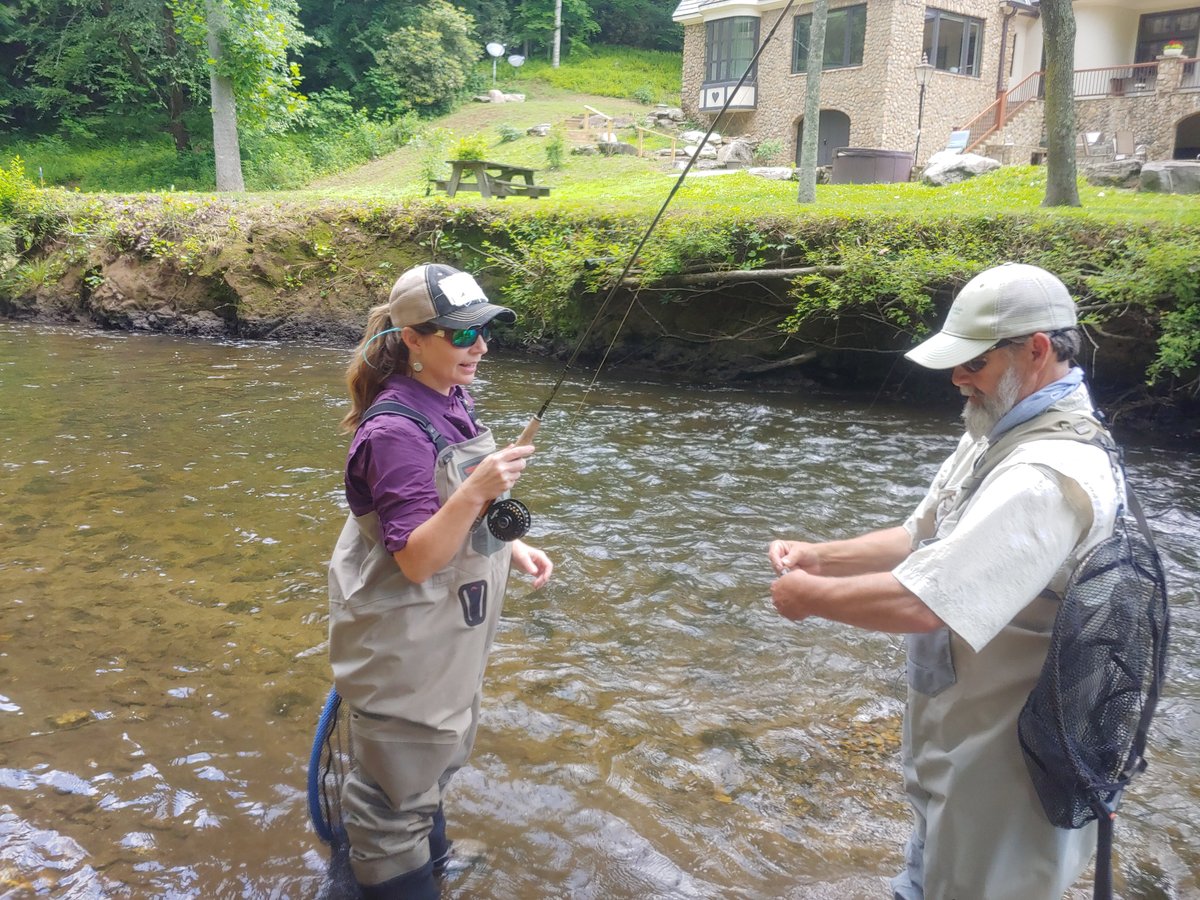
pixel 628 185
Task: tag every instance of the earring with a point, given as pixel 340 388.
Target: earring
pixel 416 366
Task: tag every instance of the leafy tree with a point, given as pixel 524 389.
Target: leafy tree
pixel 345 36
pixel 427 64
pixel 82 62
pixel 1058 26
pixel 534 24
pixel 248 43
pixel 645 24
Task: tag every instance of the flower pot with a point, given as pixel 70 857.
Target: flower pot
pixel 1172 51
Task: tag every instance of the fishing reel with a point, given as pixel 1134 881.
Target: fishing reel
pixel 508 519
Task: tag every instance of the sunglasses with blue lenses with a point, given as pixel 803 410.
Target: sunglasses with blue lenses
pixel 466 337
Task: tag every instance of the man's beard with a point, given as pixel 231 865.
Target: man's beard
pixel 981 416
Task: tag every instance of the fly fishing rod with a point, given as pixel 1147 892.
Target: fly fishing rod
pixel 509 519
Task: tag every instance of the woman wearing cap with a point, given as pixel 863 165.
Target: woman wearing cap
pixel 416 580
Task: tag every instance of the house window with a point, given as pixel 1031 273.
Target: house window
pixel 952 42
pixel 1155 30
pixel 730 45
pixel 844 32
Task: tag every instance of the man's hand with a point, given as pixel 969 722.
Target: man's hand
pixel 788 555
pixel 794 593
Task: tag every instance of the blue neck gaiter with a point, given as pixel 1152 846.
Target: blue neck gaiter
pixel 1037 402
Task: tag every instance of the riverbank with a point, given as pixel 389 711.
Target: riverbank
pixel 820 299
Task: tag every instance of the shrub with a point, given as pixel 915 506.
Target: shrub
pixel 768 151
pixel 555 145
pixel 435 145
pixel 473 146
pixel 644 95
pixel 509 133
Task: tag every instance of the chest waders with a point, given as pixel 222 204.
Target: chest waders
pixel 408 663
pixel 977 830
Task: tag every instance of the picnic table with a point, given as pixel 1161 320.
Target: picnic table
pixel 491 179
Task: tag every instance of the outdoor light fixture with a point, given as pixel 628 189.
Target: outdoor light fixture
pixel 924 70
pixel 495 51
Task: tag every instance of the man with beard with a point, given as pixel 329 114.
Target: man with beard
pixel 973 578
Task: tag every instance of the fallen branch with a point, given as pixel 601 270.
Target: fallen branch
pixel 736 275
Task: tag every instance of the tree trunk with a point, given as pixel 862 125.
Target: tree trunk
pixel 224 112
pixel 175 99
pixel 812 104
pixel 1058 29
pixel 557 33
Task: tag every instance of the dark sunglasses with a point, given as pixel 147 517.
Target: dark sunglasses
pixel 979 363
pixel 466 337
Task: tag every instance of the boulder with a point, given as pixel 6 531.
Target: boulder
pixel 1113 173
pixel 1176 176
pixel 695 137
pixel 616 148
pixel 541 130
pixel 774 173
pixel 954 168
pixel 708 151
pixel 737 154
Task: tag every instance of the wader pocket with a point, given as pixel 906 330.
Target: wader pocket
pixel 930 662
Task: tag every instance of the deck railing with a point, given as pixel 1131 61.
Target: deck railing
pixel 1116 81
pixel 1191 76
pixel 1002 110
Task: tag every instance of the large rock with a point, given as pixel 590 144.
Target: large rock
pixel 708 151
pixel 1177 176
pixel 946 169
pixel 737 154
pixel 774 173
pixel 1113 173
pixel 616 148
pixel 695 137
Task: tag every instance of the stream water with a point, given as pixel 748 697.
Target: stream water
pixel 651 727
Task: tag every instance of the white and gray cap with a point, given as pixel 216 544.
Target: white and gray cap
pixel 444 296
pixel 1006 301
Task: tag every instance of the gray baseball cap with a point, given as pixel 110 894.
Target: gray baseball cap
pixel 1007 301
pixel 443 295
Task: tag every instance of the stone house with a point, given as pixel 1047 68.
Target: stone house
pixel 981 61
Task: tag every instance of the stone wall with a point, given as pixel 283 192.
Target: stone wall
pixel 1152 116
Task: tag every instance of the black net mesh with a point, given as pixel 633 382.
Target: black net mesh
pixel 1083 728
pixel 331 763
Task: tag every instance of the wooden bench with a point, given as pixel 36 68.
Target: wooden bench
pixel 506 188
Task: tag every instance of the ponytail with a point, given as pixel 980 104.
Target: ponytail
pixel 376 357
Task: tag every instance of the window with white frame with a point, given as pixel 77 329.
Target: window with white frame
pixel 952 42
pixel 845 31
pixel 729 47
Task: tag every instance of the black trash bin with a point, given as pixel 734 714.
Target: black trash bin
pixel 862 165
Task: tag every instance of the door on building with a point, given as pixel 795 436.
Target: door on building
pixel 833 133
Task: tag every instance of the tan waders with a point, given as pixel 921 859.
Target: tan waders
pixel 409 660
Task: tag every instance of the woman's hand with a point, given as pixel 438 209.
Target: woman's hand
pixel 497 472
pixel 532 561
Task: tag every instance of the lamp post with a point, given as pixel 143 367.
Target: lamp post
pixel 495 51
pixel 924 69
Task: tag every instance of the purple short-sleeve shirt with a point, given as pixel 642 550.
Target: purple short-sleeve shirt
pixel 389 467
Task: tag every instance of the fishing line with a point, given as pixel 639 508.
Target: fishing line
pixel 535 423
